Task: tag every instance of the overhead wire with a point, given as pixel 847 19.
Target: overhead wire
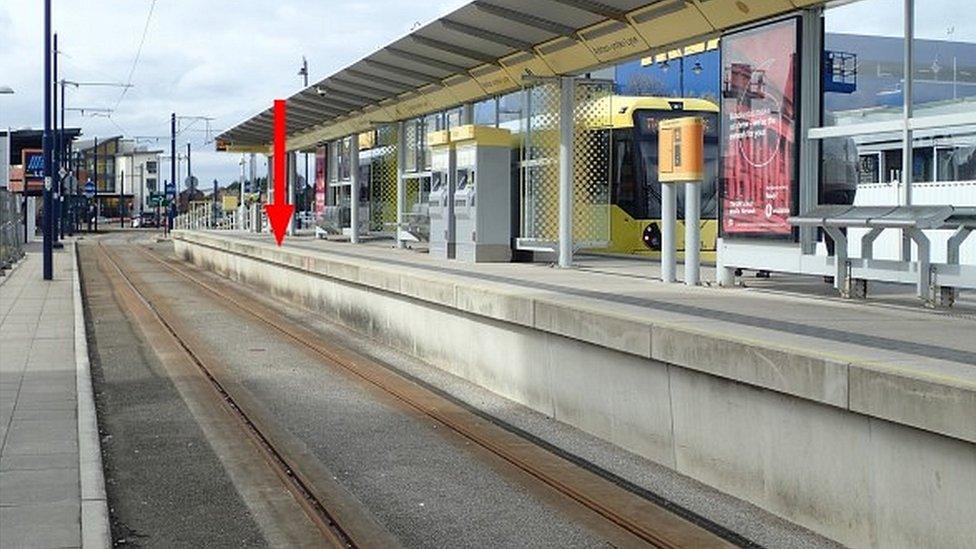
pixel 135 61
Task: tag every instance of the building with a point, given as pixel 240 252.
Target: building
pixel 127 174
pixel 22 170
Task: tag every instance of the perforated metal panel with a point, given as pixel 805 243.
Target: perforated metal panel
pixel 593 125
pixel 539 173
pixel 540 163
pixel 383 180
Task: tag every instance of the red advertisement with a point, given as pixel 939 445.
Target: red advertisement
pixel 320 180
pixel 759 149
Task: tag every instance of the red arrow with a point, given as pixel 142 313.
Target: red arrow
pixel 279 213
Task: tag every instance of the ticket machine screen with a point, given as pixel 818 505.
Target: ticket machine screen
pixel 464 177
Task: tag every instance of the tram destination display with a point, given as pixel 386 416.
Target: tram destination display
pixel 759 137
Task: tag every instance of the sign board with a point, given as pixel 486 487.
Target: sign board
pixel 32 164
pixel 157 199
pixel 229 203
pixel 170 191
pixel 759 130
pixel 89 189
pixel 681 144
pixel 320 182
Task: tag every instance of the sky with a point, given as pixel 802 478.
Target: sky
pixel 228 59
pixel 223 59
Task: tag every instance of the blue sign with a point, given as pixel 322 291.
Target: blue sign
pixel 170 190
pixel 34 164
pixel 89 189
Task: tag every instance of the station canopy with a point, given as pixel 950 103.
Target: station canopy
pixel 487 48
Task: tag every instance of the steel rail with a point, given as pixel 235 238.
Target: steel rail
pixel 647 521
pixel 332 532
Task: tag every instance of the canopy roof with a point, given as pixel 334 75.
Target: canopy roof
pixel 486 48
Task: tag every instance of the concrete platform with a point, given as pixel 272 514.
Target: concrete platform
pixel 841 416
pixel 51 488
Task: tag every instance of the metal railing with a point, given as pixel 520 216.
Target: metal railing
pixel 202 217
pixel 11 230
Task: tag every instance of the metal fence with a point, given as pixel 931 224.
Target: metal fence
pixel 202 216
pixel 11 230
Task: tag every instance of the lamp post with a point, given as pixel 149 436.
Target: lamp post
pixel 47 254
pixel 7 90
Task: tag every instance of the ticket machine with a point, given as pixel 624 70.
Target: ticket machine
pixel 482 193
pixel 441 198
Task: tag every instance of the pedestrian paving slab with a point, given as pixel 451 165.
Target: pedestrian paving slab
pixel 40 494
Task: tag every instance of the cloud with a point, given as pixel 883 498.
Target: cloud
pixel 220 58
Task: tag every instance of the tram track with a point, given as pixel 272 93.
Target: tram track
pixel 647 522
pixel 334 533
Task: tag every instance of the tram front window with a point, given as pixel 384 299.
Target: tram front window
pixel 637 189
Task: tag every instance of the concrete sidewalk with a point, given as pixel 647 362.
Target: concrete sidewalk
pixel 51 487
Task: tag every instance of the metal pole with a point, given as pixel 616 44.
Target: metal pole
pixel 189 172
pixel 48 258
pixel 56 152
pixel 907 137
pixel 567 97
pixel 692 233
pixel 172 168
pixel 669 208
pixel 72 190
pixel 401 196
pixel 240 205
pixel 122 198
pixel 354 189
pixel 142 191
pixel 95 197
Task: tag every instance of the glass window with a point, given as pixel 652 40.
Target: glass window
pixel 944 79
pixel 863 62
pixel 510 111
pixel 869 168
pixel 453 117
pixel 923 164
pixel 691 75
pixel 486 112
pixel 957 162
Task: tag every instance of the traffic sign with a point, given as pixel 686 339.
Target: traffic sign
pixel 170 190
pixel 89 189
pixel 63 173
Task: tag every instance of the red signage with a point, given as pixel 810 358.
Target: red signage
pixel 320 180
pixel 759 123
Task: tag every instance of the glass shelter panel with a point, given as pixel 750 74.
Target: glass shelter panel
pixel 539 166
pixel 863 62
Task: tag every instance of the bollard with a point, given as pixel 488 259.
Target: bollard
pixel 669 222
pixel 681 144
pixel 692 233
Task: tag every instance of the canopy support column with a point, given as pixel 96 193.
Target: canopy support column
pixel 354 189
pixel 567 98
pixel 401 191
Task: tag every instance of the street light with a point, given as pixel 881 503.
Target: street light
pixel 7 90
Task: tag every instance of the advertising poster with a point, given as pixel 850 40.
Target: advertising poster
pixel 320 181
pixel 759 123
